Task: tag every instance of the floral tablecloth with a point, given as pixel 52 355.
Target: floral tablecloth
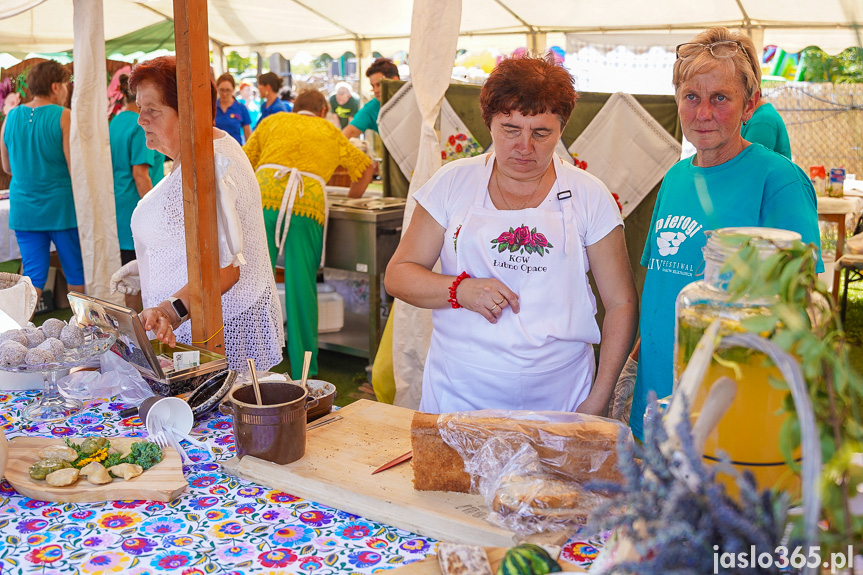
pixel 221 524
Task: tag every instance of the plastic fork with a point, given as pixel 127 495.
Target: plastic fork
pixel 169 437
pixel 196 442
pixel 159 439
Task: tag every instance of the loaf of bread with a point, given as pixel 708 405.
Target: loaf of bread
pixel 576 451
pixel 436 465
pixel 542 501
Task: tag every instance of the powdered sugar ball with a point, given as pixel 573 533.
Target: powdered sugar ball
pixel 34 336
pixel 38 356
pixel 14 335
pixel 12 353
pixel 55 346
pixel 52 327
pixel 72 336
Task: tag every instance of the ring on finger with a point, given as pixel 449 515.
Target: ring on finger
pixel 499 302
pixel 493 307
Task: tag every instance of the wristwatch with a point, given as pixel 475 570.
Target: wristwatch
pixel 179 307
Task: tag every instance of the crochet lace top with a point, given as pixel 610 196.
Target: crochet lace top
pixel 251 309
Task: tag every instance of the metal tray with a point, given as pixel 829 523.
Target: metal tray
pixel 134 346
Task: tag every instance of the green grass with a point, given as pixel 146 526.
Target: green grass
pixel 854 324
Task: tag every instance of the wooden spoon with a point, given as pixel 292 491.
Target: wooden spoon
pixel 307 362
pixel 255 380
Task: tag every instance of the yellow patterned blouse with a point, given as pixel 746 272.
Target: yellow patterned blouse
pixel 308 143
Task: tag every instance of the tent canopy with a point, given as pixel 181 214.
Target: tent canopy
pixel 337 26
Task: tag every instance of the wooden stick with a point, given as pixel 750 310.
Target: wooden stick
pixel 255 380
pixel 307 361
pixel 199 179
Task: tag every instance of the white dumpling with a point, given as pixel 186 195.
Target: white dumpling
pixel 96 473
pixel 59 451
pixel 62 477
pixel 126 470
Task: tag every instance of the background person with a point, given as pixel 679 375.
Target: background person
pixel 248 99
pixel 250 307
pixel 34 150
pixel 728 182
pixel 268 86
pixel 344 104
pixel 766 127
pixel 136 170
pixel 231 116
pixel 367 117
pixel 294 155
pixel 516 233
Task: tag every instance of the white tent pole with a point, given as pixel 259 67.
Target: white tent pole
pixel 538 42
pixel 92 178
pixel 220 66
pixel 434 39
pixel 364 60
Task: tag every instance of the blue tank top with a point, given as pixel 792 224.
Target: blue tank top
pixel 40 192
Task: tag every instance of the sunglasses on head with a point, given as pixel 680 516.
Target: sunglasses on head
pixel 723 49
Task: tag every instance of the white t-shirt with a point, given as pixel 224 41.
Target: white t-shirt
pixel 450 193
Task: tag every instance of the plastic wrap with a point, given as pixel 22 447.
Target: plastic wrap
pixel 125 379
pixel 529 466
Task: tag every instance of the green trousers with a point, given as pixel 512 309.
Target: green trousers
pixel 302 259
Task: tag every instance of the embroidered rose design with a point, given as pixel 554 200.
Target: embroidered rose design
pixel 522 240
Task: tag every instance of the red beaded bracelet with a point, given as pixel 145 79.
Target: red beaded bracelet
pixel 452 297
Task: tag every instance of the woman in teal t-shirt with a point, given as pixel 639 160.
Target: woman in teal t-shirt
pixel 729 182
pixel 34 148
pixel 136 170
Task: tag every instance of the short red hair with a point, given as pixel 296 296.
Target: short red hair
pixel 530 85
pixel 162 72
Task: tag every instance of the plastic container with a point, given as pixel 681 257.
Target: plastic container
pixel 331 311
pixel 331 308
pixel 749 431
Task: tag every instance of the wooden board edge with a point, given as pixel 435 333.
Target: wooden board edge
pixel 370 507
pixel 429 565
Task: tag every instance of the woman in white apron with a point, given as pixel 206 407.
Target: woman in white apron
pixel 516 232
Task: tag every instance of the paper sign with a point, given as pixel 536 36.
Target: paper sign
pixel 186 359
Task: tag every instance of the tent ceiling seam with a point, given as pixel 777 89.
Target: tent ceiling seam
pixel 747 22
pixel 512 13
pixel 354 35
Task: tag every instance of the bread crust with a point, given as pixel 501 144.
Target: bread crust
pixel 577 451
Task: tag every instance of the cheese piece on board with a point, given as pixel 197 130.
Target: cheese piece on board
pixel 457 559
pixel 576 451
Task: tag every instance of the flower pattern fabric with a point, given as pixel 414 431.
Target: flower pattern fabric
pixel 220 524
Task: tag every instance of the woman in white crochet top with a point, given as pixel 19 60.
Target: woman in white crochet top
pixel 250 307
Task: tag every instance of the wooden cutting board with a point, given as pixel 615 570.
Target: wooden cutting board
pixel 337 471
pixel 430 565
pixel 162 482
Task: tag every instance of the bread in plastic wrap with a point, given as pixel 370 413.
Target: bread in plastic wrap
pixel 580 447
pixel 528 466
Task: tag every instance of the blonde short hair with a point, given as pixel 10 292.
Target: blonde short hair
pixel 745 63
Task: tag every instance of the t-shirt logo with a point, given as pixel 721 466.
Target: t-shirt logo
pixel 669 242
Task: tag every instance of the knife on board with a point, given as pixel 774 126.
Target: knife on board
pixel 400 459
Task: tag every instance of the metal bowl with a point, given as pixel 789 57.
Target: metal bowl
pixel 325 393
pixel 208 395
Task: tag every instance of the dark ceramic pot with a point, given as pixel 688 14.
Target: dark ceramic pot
pixel 274 431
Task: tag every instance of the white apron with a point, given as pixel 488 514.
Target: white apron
pixel 294 187
pixel 538 359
